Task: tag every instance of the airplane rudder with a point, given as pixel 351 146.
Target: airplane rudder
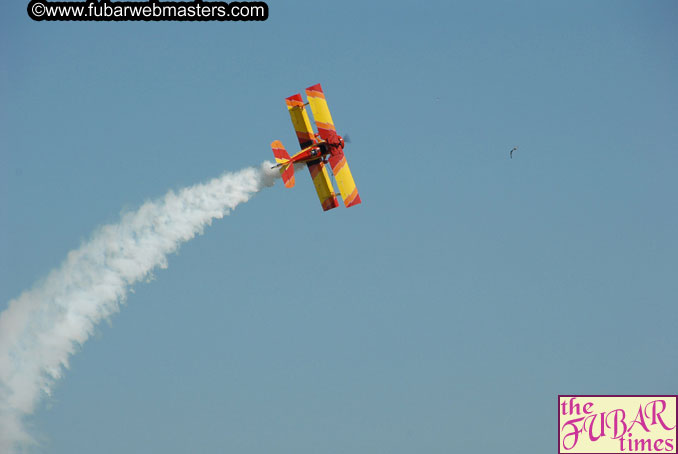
pixel 279 152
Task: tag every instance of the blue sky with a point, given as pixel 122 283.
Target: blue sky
pixel 444 314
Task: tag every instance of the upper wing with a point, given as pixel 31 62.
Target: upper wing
pixel 321 113
pixel 326 129
pixel 302 125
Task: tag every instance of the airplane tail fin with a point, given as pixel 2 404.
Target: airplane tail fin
pixel 284 162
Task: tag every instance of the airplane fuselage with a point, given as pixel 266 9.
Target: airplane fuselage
pixel 320 149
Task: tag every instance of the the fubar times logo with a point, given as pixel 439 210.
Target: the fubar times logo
pixel 617 424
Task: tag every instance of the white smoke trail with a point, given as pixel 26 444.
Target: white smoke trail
pixel 43 326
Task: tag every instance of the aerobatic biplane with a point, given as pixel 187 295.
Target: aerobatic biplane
pixel 317 150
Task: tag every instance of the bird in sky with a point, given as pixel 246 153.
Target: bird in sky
pixel 511 152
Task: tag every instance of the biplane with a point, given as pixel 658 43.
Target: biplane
pixel 317 150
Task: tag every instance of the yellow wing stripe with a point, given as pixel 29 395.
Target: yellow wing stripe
pixel 321 113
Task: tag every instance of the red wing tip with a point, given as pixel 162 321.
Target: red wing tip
pixel 354 202
pixel 315 87
pixel 296 97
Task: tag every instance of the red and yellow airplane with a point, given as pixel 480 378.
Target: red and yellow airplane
pixel 317 150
